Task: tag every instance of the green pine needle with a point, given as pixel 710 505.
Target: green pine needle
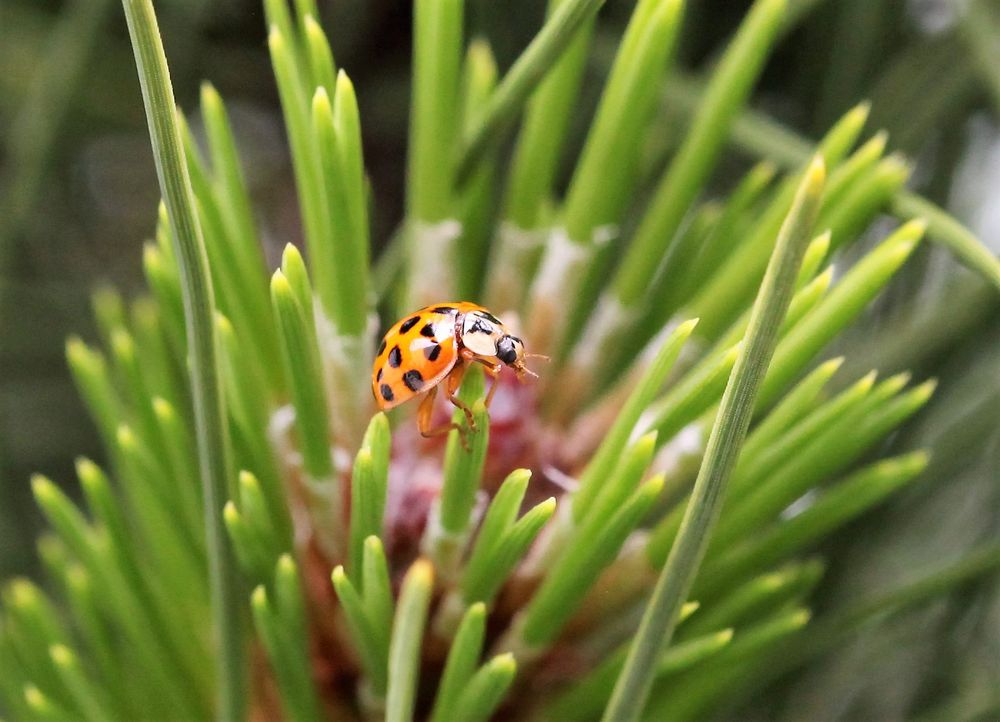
pixel 407 634
pixel 213 442
pixel 504 103
pixel 733 418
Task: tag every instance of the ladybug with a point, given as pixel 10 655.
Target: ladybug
pixel 436 344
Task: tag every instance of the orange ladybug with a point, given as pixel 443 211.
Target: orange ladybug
pixel 438 343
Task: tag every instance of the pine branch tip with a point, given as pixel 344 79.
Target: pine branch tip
pixel 344 86
pixel 163 409
pixel 61 655
pixel 208 93
pixel 815 175
pixel 321 103
pixel 654 486
pixel 519 475
pixel 125 436
pixel 685 329
pixel 311 25
pixel 84 467
pixel 75 345
pixel 687 609
pixel 289 253
pixel 866 382
pixel 833 365
pixel 122 343
pixel 913 229
pixel 43 489
pixel 825 277
pixel 647 441
pixel 505 662
pixel 421 572
pixel 858 115
pixel 34 697
pixel 919 460
pixel 279 283
pixel 480 50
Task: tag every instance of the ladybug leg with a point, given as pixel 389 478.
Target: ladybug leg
pixel 424 417
pixel 425 412
pixel 452 385
pixel 494 371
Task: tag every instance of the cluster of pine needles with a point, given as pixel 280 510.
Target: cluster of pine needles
pixel 634 539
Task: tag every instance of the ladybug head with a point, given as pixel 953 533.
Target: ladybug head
pixel 510 350
pixel 484 335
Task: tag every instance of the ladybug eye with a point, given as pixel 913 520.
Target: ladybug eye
pixel 506 351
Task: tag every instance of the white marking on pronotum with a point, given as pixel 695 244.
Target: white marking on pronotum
pixel 479 334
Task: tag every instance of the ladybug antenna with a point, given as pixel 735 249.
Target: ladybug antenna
pixel 525 371
pixel 540 357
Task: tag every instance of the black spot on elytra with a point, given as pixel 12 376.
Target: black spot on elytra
pixel 432 352
pixel 395 357
pixel 427 330
pixel 443 309
pixel 413 379
pixel 409 323
pixel 386 392
pixel 381 348
pixel 378 376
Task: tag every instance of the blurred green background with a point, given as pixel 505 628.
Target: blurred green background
pixel 78 196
